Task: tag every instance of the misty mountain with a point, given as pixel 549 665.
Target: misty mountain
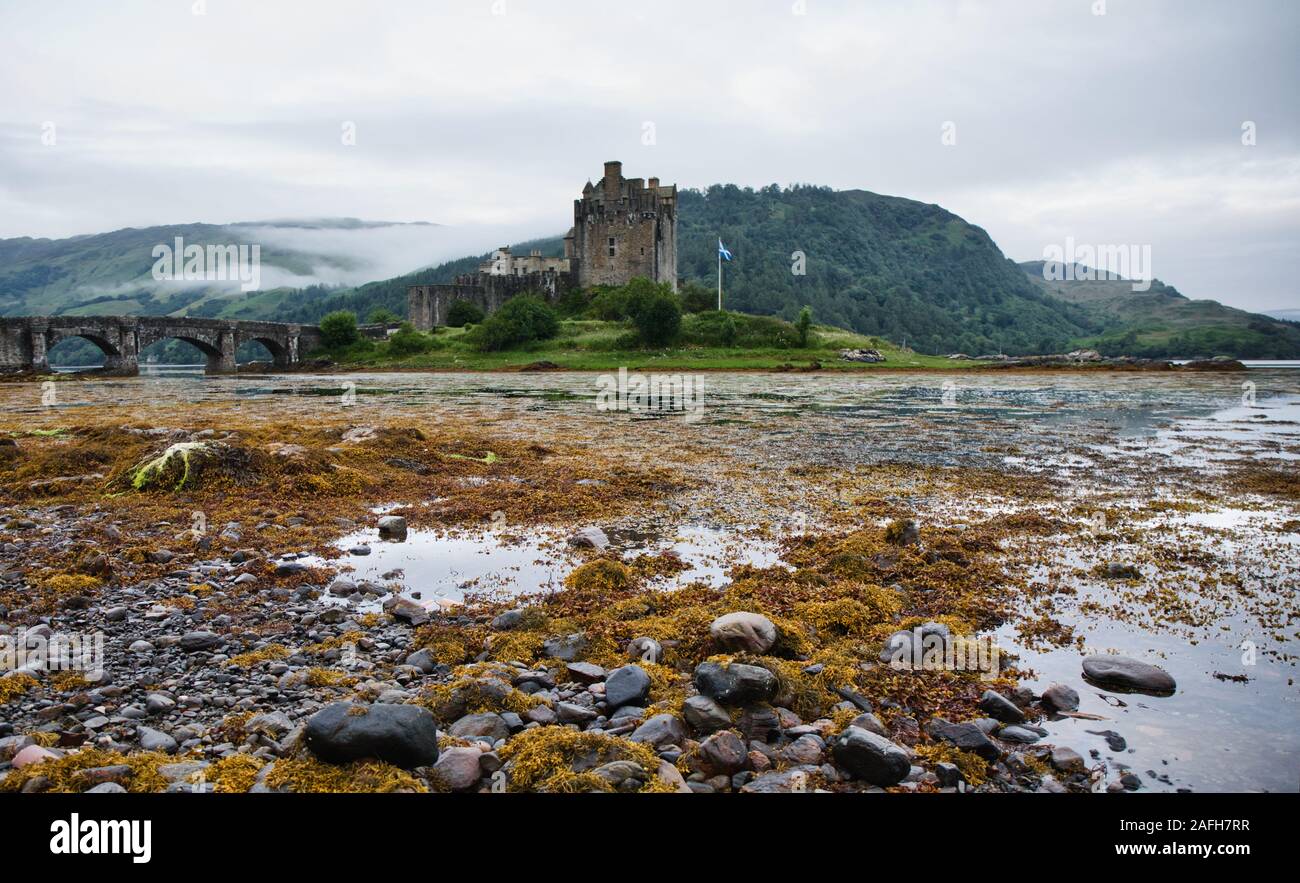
pixel 112 273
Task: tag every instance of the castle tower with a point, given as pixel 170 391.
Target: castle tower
pixel 624 228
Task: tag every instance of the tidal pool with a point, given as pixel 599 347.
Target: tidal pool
pixel 444 567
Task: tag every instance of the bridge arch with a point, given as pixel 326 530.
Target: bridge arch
pixel 56 340
pixel 116 343
pixel 107 347
pixel 208 351
pixel 281 357
pixel 214 340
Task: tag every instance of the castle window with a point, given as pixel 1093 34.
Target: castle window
pixel 613 247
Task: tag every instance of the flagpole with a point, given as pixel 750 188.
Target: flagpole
pixel 719 275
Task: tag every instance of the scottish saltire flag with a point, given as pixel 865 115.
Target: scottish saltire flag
pixel 723 252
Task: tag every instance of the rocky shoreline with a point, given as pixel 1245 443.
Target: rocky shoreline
pixel 241 654
pixel 191 697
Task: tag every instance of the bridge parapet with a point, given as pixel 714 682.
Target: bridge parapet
pixel 25 342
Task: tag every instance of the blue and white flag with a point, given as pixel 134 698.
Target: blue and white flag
pixel 723 252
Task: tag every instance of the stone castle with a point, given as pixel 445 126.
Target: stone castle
pixel 622 228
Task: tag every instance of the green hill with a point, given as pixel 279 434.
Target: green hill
pixel 879 265
pixel 1162 323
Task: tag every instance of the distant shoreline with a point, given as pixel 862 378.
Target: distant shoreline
pixel 92 373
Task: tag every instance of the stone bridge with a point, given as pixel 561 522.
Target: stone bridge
pixel 25 343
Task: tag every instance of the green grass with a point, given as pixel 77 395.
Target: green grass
pixel 590 345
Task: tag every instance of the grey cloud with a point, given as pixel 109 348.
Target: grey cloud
pixel 1118 128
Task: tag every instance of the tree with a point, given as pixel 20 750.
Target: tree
pixel 339 329
pixel 383 316
pixel 462 313
pixel 804 325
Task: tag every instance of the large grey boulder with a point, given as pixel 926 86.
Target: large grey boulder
pixel 735 684
pixel 403 735
pixel 871 757
pixel 1061 697
pixel 966 736
pixel 392 527
pixel 406 609
pixel 565 648
pixel 488 726
pixel 192 642
pixel 155 740
pixel 996 705
pixel 908 648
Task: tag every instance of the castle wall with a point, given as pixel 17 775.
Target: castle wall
pixel 427 305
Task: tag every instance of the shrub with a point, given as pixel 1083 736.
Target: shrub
pixel 638 292
pixel 713 328
pixel 521 319
pixel 339 329
pixel 383 316
pixel 462 313
pixel 608 304
pixel 657 317
pixel 698 299
pixel 575 301
pixel 406 341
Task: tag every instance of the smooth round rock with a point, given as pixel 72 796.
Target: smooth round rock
pixel 750 632
pixel 1128 675
pixel 1061 697
pixel 628 685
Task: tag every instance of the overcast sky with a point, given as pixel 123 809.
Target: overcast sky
pixel 1117 129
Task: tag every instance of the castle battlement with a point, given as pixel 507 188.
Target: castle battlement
pixel 624 228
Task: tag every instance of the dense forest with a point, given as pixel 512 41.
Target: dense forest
pixel 879 265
